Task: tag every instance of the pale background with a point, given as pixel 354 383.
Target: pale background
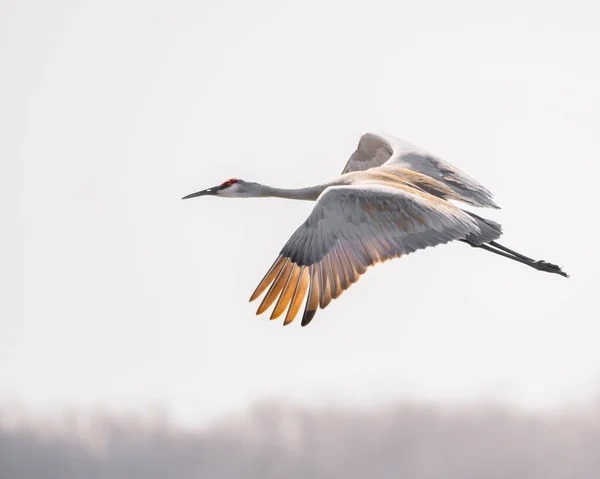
pixel 118 295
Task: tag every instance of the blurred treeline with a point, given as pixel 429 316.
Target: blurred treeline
pixel 277 441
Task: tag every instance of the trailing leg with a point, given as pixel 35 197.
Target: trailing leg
pixel 501 250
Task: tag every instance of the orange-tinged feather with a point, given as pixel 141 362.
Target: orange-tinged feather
pixel 336 287
pixel 345 262
pixel 339 262
pixel 312 301
pixel 355 263
pixel 391 248
pixel 372 252
pixel 312 273
pixel 330 275
pixel 275 288
pixel 384 248
pixel 287 292
pixel 269 277
pixel 326 296
pixel 366 252
pixel 299 294
pixel 319 272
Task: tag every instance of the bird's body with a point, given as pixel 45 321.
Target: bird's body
pixel 392 199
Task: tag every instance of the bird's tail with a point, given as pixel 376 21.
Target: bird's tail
pixel 489 230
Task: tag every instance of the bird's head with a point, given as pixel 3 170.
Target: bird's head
pixel 231 188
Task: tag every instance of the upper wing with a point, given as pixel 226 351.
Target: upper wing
pixel 350 229
pixel 372 151
pixel 376 150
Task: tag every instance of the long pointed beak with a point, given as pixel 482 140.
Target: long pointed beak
pixel 209 191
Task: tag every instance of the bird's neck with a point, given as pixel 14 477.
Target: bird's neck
pixel 309 193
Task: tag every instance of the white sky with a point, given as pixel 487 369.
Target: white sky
pixel 118 294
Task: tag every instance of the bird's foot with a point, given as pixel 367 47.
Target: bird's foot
pixel 548 267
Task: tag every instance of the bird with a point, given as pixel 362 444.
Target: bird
pixel 392 199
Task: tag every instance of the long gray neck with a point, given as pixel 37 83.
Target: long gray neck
pixel 310 193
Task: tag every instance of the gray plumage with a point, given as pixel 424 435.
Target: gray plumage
pixel 392 199
pixel 376 150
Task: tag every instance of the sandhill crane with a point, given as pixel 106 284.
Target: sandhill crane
pixel 391 199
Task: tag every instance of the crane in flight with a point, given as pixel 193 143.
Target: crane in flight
pixel 392 199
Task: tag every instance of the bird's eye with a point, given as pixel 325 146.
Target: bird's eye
pixel 228 183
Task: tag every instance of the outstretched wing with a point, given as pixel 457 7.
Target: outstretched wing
pixel 350 229
pixel 376 150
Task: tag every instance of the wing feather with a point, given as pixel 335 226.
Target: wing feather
pixel 312 299
pixel 334 276
pixel 275 288
pixel 269 277
pixel 347 265
pixel 350 229
pixel 340 271
pixel 287 293
pixel 375 150
pixel 327 296
pixel 299 295
pixel 371 152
